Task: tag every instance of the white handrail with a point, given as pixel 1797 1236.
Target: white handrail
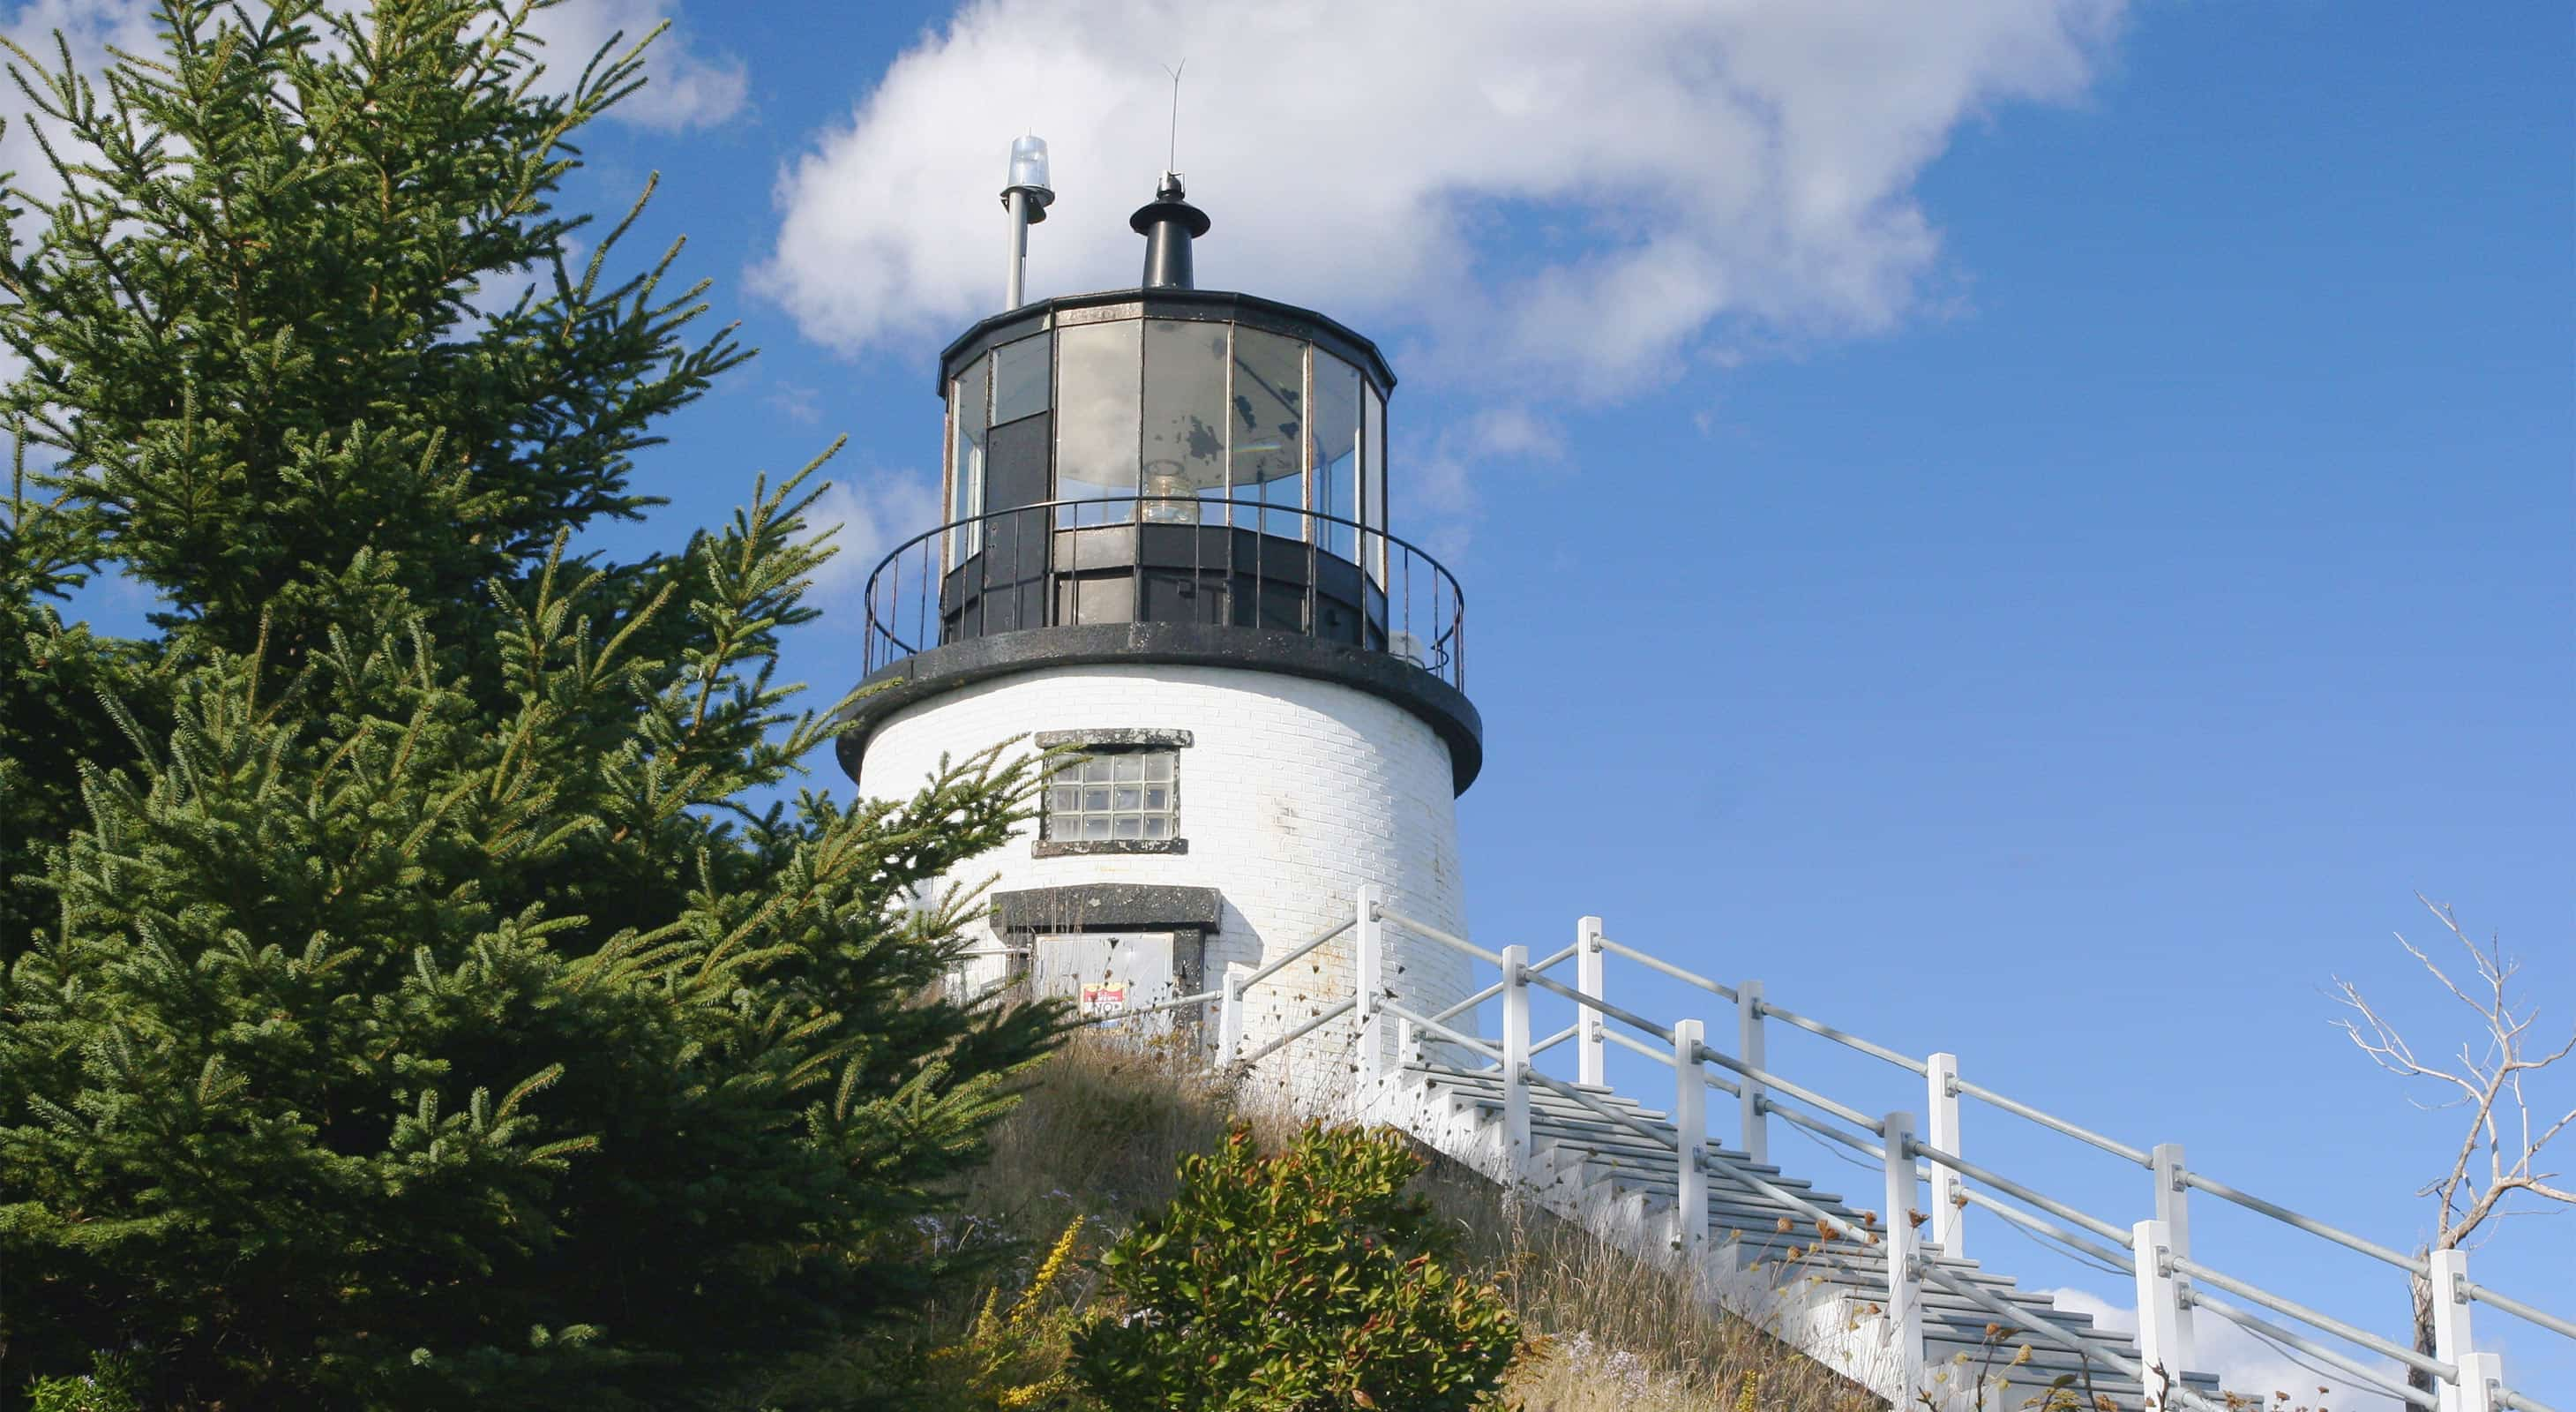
pixel 1432 933
pixel 1668 968
pixel 2124 1261
pixel 1594 1002
pixel 2016 1190
pixel 1266 972
pixel 2370 1377
pixel 2517 1308
pixel 1853 1041
pixel 1470 1003
pixel 2473 1376
pixel 1323 1017
pixel 2113 1146
pixel 1555 956
pixel 2310 1224
pixel 1471 1045
pixel 2316 1318
pixel 1799 1092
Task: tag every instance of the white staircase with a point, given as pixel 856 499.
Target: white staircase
pixel 1872 1288
pixel 1764 1260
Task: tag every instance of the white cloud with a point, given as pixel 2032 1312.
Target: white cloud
pixel 1674 171
pixel 869 519
pixel 684 87
pixel 2244 1363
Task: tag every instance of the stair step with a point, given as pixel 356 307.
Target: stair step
pixel 1747 1223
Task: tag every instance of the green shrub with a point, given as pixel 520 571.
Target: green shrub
pixel 1310 1281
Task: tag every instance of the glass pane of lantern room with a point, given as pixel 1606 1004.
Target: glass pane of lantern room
pixel 966 411
pixel 1098 371
pixel 1268 430
pixel 1184 419
pixel 1020 377
pixel 1336 425
pixel 1373 479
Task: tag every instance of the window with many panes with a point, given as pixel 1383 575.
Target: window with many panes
pixel 1116 796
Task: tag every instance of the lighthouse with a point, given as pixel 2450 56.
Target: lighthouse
pixel 1165 549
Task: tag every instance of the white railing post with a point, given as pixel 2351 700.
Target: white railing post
pixel 1904 1297
pixel 2173 1212
pixel 1690 1130
pixel 1748 1047
pixel 1367 951
pixel 2451 1321
pixel 1949 1204
pixel 2161 1354
pixel 1229 1019
pixel 2479 1374
pixel 1588 958
pixel 1516 1054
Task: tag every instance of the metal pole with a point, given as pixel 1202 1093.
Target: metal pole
pixel 1516 1053
pixel 2451 1321
pixel 1690 1129
pixel 1588 959
pixel 1014 287
pixel 1748 1047
pixel 1367 949
pixel 1949 1203
pixel 2161 1354
pixel 2173 1212
pixel 1229 1020
pixel 1904 1294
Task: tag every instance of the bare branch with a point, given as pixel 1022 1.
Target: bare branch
pixel 2486 1077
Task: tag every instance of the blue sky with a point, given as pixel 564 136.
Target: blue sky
pixel 2052 594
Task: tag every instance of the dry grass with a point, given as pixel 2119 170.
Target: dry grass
pixel 1105 1123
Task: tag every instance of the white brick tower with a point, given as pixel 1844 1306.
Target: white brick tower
pixel 1166 544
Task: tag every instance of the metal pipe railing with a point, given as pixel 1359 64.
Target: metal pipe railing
pixel 2016 1190
pixel 2125 1261
pixel 2020 1109
pixel 1645 1130
pixel 1254 978
pixel 1466 1042
pixel 2517 1308
pixel 1853 1041
pixel 1051 543
pixel 1665 1058
pixel 2083 1235
pixel 2317 1318
pixel 1555 956
pixel 1823 1129
pixel 1431 933
pixel 1594 1002
pixel 1322 1018
pixel 1470 1003
pixel 1667 967
pixel 2366 1376
pixel 1797 1091
pixel 2309 1224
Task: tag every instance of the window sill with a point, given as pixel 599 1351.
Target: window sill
pixel 1075 848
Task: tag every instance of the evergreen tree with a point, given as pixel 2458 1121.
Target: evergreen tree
pixel 403 1006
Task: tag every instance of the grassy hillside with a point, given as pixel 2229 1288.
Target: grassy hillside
pixel 1098 1138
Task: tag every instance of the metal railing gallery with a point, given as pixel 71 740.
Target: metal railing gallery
pixel 2172 1283
pixel 1167 558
